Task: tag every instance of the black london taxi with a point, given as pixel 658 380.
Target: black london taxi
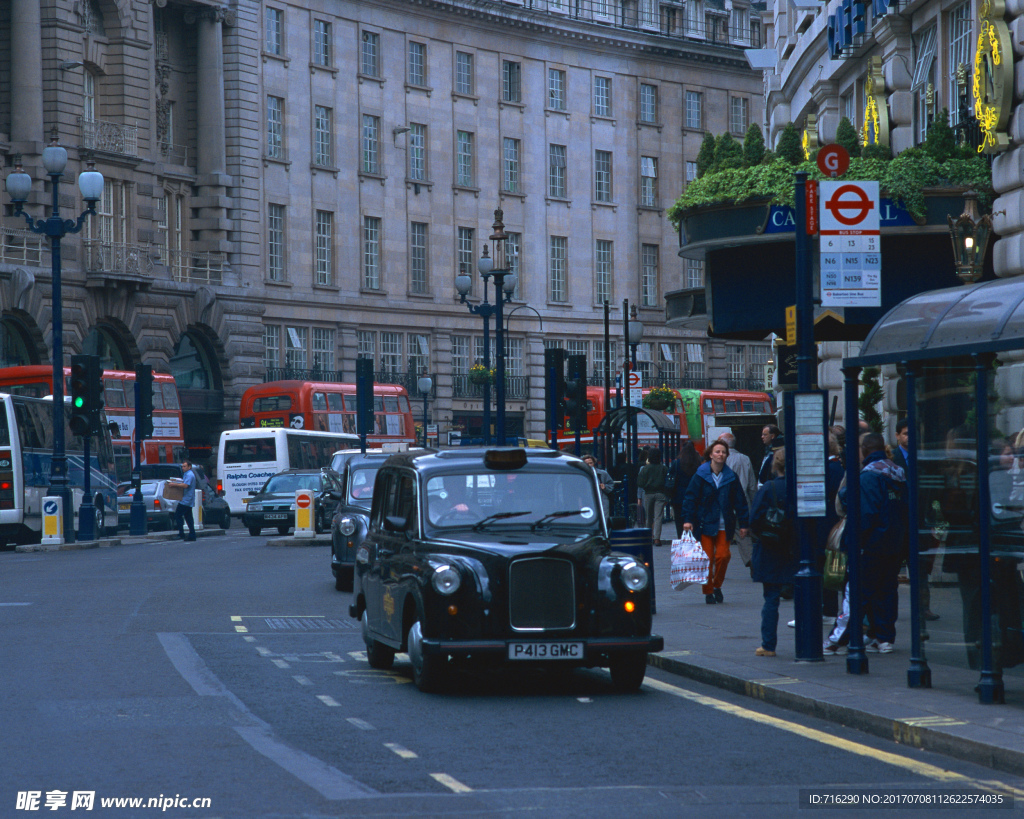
pixel 493 556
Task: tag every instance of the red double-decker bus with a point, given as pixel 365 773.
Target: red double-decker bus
pixel 326 406
pixel 167 444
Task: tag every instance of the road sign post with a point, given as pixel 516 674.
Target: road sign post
pixel 305 513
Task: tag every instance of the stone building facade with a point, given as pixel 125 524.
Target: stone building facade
pixel 291 185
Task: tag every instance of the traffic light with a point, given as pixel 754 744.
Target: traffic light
pixel 576 392
pixel 94 392
pixel 554 383
pixel 80 420
pixel 364 396
pixel 144 405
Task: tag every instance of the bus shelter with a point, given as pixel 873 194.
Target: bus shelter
pixel 614 451
pixel 965 481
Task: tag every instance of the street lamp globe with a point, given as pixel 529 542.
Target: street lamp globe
pixel 19 185
pixel 55 158
pixel 425 384
pixel 636 330
pixel 486 264
pixel 463 283
pixel 508 286
pixel 90 183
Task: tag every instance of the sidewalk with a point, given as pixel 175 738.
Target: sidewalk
pixel 715 644
pixel 122 539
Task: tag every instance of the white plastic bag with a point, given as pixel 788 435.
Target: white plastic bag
pixel 690 563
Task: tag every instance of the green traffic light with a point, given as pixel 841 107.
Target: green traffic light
pixel 79 402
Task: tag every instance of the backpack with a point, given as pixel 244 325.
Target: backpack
pixel 775 533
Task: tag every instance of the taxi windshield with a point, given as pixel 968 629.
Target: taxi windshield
pixel 533 500
pixel 360 487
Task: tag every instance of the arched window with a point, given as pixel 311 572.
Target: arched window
pixel 15 348
pixel 108 346
pixel 190 366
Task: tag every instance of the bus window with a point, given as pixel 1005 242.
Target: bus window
pixel 730 406
pixel 350 401
pixel 390 403
pixel 272 403
pixel 348 423
pixel 403 403
pixel 708 405
pixel 113 392
pixel 334 402
pixel 748 406
pixel 378 403
pixel 250 451
pixel 319 402
pixel 170 392
pixel 719 405
pixel 158 398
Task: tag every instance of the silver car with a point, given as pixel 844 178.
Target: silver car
pixel 159 510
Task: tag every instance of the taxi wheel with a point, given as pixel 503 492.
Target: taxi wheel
pixel 628 670
pixel 343 579
pixel 225 524
pixel 255 531
pixel 378 655
pixel 282 530
pixel 429 672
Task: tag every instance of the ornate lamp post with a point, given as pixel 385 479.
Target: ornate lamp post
pixel 19 187
pixel 425 384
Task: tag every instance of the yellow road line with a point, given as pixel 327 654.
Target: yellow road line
pixel 451 782
pixel 914 766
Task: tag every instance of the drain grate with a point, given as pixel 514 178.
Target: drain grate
pixel 308 623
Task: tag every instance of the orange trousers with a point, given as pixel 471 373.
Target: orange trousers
pixel 717 549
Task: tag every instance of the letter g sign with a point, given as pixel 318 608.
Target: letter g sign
pixel 833 160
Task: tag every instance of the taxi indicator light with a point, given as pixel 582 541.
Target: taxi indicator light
pixel 453 610
pixel 630 607
pixel 505 458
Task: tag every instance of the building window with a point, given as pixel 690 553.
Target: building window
pixel 391 358
pixel 960 31
pixel 739 114
pixel 371 253
pixel 369 54
pixel 599 359
pixel 694 362
pixel 418 152
pixel 460 355
pixel 323 350
pixel 418 257
pixel 603 176
pixel 513 247
pixel 275 31
pixel 419 353
pixel 694 113
pixel 603 270
pixel 556 89
pixel 417 64
pixel 649 275
pixel 923 79
pixel 463 73
pixel 557 282
pixel 371 144
pixel 510 165
pixel 171 232
pixel 511 81
pixel 691 171
pixel 602 97
pixel 556 171
pixel 275 243
pixel 275 127
pixel 648 103
pixel 367 344
pixel 694 273
pixel 464 159
pixel 464 260
pixel 575 346
pixel 271 346
pixel 669 367
pixel 323 154
pixel 648 181
pixel 758 362
pixel 321 43
pixel 295 349
pixel 324 247
pixel 88 96
pixel 734 363
pixel 513 357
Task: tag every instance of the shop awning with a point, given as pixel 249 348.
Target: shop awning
pixel 987 317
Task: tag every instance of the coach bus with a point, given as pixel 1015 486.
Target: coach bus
pixel 696 414
pixel 247 457
pixel 167 444
pixel 26 453
pixel 328 407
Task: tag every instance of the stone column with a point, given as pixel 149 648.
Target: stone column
pixel 26 75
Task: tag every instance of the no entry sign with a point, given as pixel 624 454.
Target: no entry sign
pixel 851 258
pixel 303 501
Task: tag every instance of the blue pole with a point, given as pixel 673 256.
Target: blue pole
pixel 857 658
pixel 485 311
pixel 918 675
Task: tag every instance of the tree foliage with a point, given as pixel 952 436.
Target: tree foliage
pixel 706 155
pixel 940 144
pixel 753 146
pixel 728 153
pixel 846 135
pixel 870 397
pixel 789 147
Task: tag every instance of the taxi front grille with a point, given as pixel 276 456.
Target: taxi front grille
pixel 541 594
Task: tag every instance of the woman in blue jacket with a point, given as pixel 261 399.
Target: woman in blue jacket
pixel 714 504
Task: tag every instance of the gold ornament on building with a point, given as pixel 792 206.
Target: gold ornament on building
pixel 809 141
pixel 993 77
pixel 875 130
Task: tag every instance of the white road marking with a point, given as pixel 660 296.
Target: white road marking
pixel 405 753
pixel 15 604
pixel 584 699
pixel 361 724
pixel 451 783
pixel 302 680
pixel 280 663
pixel 330 701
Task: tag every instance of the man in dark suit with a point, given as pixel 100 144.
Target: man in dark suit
pixel 768 435
pixel 924 562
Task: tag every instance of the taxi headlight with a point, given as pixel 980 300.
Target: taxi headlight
pixel 254 506
pixel 347 525
pixel 634 577
pixel 446 580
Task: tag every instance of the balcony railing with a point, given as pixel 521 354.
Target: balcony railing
pixel 300 374
pixel 517 388
pixel 22 247
pixel 198 268
pixel 173 154
pixel 109 137
pixel 751 384
pixel 117 257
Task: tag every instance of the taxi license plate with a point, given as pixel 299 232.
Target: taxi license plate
pixel 275 516
pixel 545 651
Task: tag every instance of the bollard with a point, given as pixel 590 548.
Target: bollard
pixel 53 521
pixel 197 512
pixel 305 508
